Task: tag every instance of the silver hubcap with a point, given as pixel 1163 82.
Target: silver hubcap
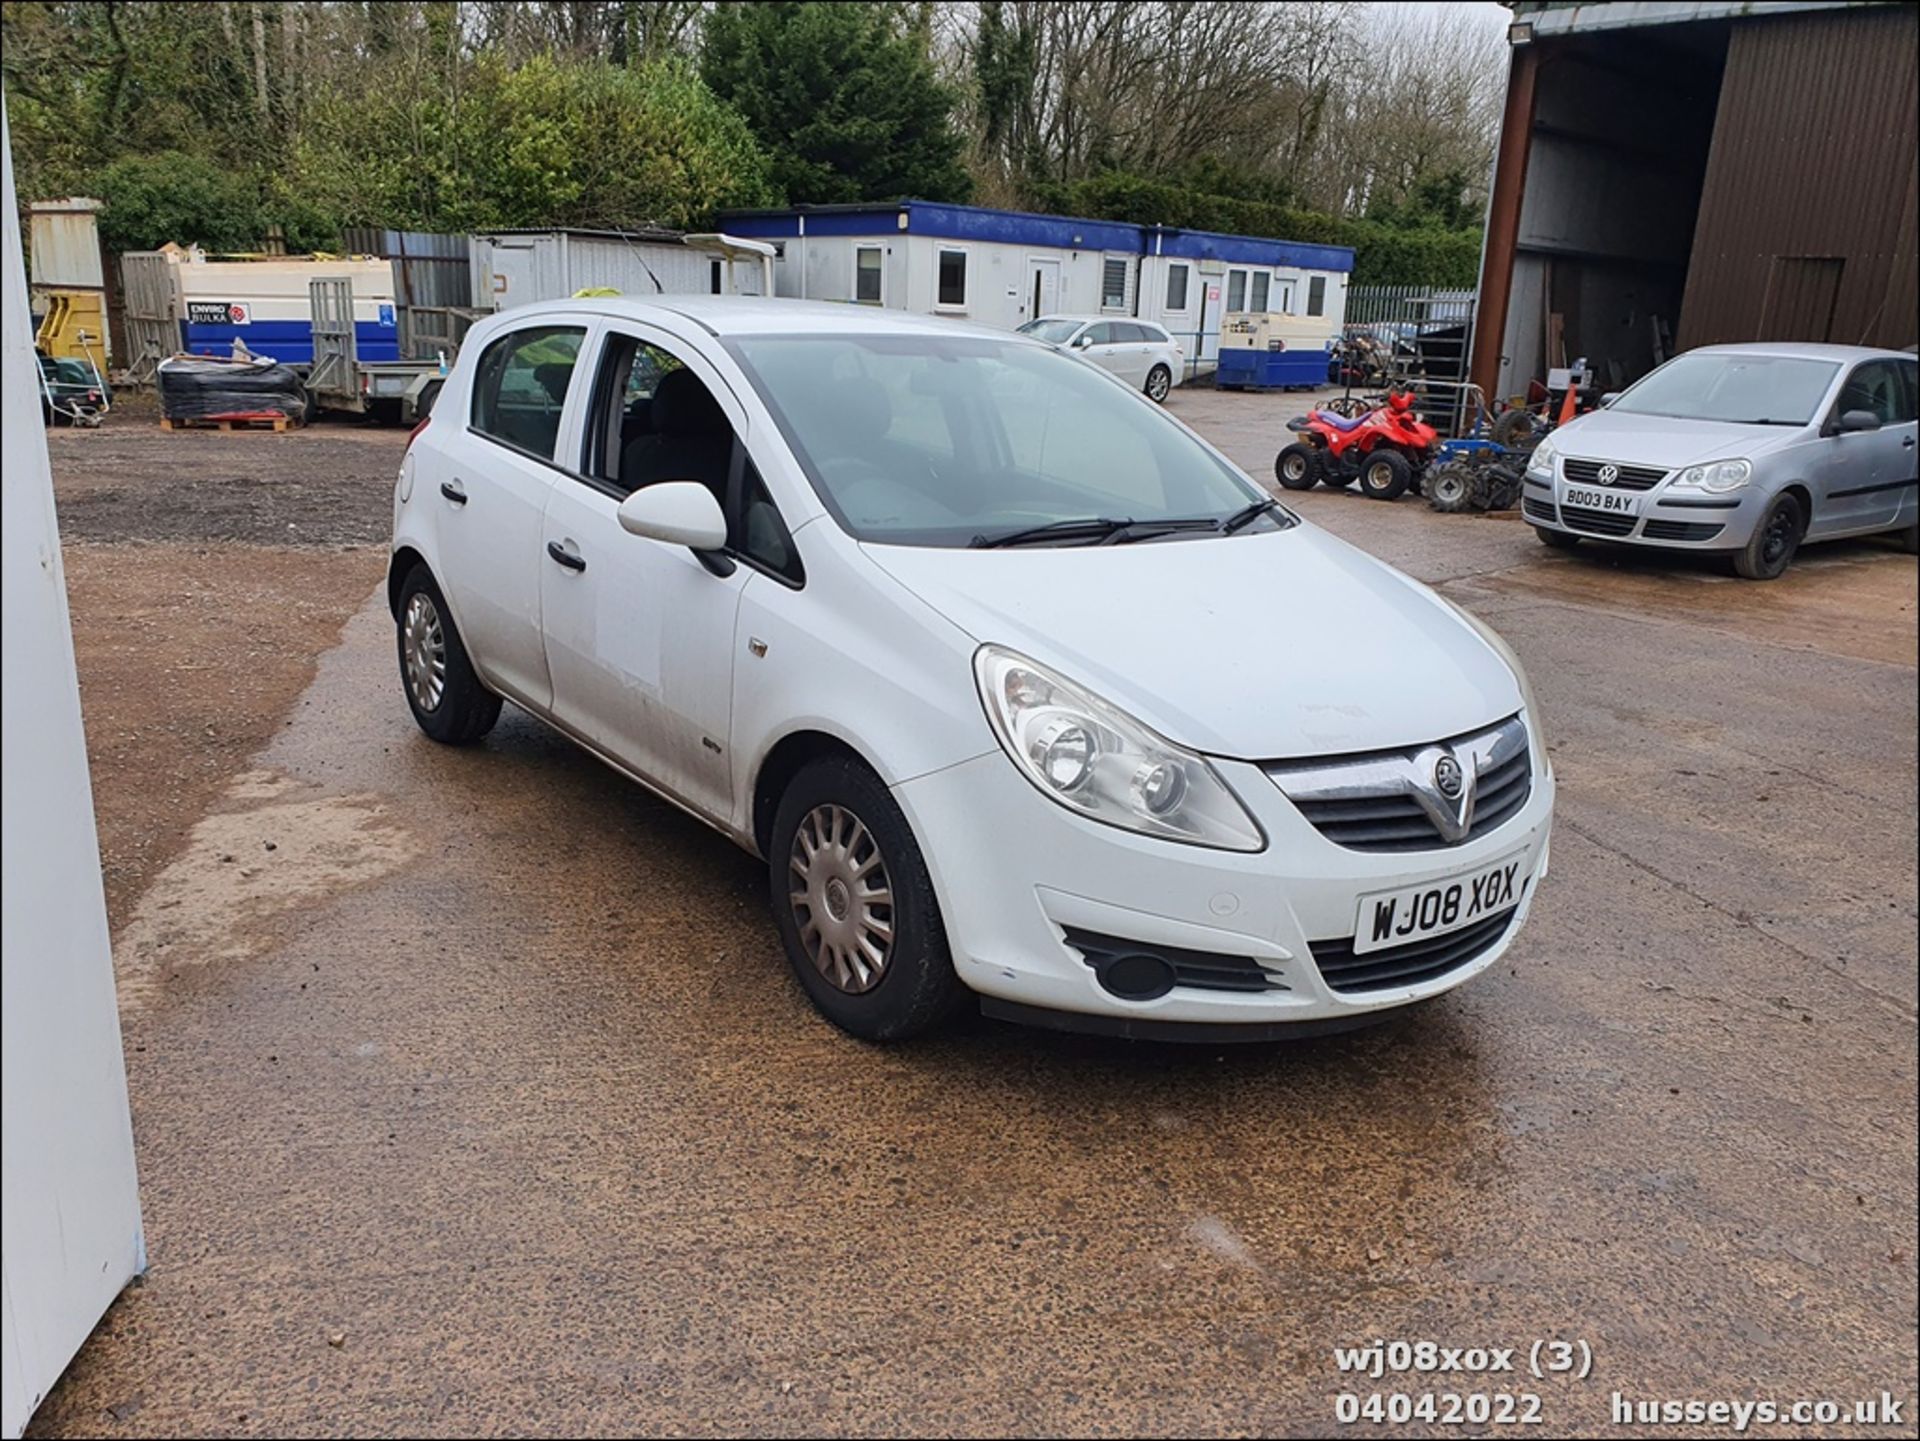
pixel 424 645
pixel 842 899
pixel 1157 386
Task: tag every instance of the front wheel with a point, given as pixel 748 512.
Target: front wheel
pixel 855 907
pixel 443 691
pixel 1297 467
pixel 1159 382
pixel 1385 475
pixel 1770 549
pixel 1556 539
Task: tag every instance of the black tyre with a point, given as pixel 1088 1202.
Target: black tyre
pixel 1556 539
pixel 1770 550
pixel 1385 475
pixel 1518 430
pixel 1159 382
pixel 1297 467
pixel 855 906
pixel 1450 488
pixel 447 699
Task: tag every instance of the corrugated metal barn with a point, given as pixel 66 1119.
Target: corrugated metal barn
pixel 1673 175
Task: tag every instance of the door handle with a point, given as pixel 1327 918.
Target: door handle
pixel 452 491
pixel 570 559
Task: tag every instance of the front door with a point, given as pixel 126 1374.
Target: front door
pixel 1210 311
pixel 1043 288
pixel 639 633
pixel 1867 474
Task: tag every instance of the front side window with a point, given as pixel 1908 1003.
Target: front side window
pixel 1113 285
pixel 1261 282
pixel 866 274
pixel 953 280
pixel 1176 287
pixel 1236 290
pixel 1317 295
pixel 1737 388
pixel 936 440
pixel 1879 388
pixel 520 388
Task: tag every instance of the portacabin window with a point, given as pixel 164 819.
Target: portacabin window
pixel 867 262
pixel 1262 282
pixel 1317 295
pixel 952 284
pixel 1236 290
pixel 1113 284
pixel 1176 288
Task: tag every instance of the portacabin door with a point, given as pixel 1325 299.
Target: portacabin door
pixel 639 633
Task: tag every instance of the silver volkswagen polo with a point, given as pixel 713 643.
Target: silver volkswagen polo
pixel 1742 449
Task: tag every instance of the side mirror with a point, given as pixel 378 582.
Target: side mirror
pixel 678 512
pixel 1854 420
pixel 1609 398
pixel 1083 340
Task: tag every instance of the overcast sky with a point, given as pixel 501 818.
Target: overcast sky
pixel 1483 12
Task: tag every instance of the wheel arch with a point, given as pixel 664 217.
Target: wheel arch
pixel 787 757
pixel 1802 492
pixel 398 568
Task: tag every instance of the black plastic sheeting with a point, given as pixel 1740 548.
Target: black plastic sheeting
pixel 194 387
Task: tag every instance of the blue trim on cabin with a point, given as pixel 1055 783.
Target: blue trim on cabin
pixel 288 341
pixel 1051 232
pixel 1248 249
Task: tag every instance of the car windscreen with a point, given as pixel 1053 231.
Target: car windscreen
pixel 1054 332
pixel 1741 389
pixel 955 440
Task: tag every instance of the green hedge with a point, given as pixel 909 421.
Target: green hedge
pixel 1382 254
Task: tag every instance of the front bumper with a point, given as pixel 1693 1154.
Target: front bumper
pixel 1016 873
pixel 1663 518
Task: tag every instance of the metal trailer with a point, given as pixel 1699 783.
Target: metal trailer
pixel 339 380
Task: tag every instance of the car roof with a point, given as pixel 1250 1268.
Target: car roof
pixel 1798 350
pixel 735 315
pixel 1092 319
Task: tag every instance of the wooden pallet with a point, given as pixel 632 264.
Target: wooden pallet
pixel 258 420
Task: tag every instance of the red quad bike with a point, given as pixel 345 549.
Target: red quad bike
pixel 1384 449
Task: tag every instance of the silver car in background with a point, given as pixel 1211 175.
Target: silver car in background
pixel 1138 351
pixel 1743 449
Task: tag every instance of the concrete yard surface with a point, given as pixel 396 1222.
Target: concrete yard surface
pixel 473 1095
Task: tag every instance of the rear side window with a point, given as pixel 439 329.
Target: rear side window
pixel 522 384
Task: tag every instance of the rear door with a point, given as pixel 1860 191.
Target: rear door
pixel 488 475
pixel 1101 343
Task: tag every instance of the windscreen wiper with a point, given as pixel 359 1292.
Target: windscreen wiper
pixel 1247 514
pixel 1094 527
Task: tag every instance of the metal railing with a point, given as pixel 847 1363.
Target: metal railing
pixel 1411 338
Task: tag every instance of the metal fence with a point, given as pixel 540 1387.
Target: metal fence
pixel 432 285
pixel 1408 337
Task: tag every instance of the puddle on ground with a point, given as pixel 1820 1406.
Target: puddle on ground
pixel 273 846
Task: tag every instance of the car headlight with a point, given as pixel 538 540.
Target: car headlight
pixel 1717 477
pixel 1094 758
pixel 1540 459
pixel 1535 735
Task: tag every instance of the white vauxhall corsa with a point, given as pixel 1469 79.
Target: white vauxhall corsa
pixel 996 664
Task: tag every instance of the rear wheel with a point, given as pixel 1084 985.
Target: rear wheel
pixel 1159 382
pixel 1770 549
pixel 1450 488
pixel 855 906
pixel 1297 467
pixel 444 693
pixel 1385 475
pixel 1518 430
pixel 1556 539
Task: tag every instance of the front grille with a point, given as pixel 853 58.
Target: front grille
pixel 1681 530
pixel 1199 970
pixel 1372 802
pixel 1538 509
pixel 1597 522
pixel 1407 965
pixel 1631 477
